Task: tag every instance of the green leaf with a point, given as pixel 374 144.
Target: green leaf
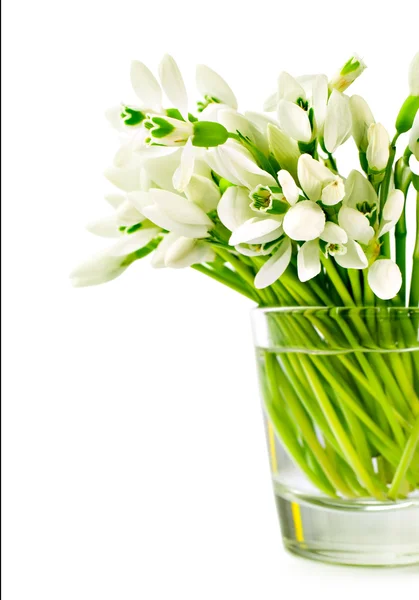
pixel 208 134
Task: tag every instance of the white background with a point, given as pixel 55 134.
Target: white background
pixel 134 458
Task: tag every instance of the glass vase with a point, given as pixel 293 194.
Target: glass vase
pixel 340 390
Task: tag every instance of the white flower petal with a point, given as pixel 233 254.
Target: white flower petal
pixel 359 190
pixel 252 229
pixel 146 86
pixel 362 118
pixel 160 169
pixel 261 121
pixel 244 168
pixel 106 227
pixel 183 173
pixel 294 121
pixel 313 176
pixel 333 234
pixel 274 266
pixel 271 103
pixel 355 224
pixel 354 258
pixel 130 242
pixel 185 252
pixel 179 208
pixel 333 192
pixel 100 268
pixel 289 88
pixel 209 83
pixel 285 150
pixel 127 179
pixel 173 85
pixel 203 192
pixel 414 137
pixel 308 260
pixel 338 121
pixel 160 218
pixel 392 211
pixel 414 164
pixel 234 207
pixel 115 200
pixel 304 221
pixel 385 278
pixel 127 213
pixel 319 100
pixel 218 165
pixel 378 150
pixel 289 187
pixel 157 260
pixel 414 76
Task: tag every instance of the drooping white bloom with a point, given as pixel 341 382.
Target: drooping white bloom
pixel 168 131
pixel 295 106
pixel 350 71
pixel 385 278
pixel 414 76
pixel 318 182
pixel 355 224
pixel 172 212
pixel 338 122
pixel 178 252
pixel 362 118
pixel 213 87
pixel 233 162
pixel 125 216
pixel 378 150
pixel 360 194
pixel 203 192
pixel 285 150
pixel 112 262
pixel 274 266
pixel 392 211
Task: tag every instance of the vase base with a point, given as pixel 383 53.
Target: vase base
pixel 366 533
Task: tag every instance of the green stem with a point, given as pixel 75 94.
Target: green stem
pixel 414 286
pixel 406 459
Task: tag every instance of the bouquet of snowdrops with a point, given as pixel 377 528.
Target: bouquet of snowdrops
pixel 256 200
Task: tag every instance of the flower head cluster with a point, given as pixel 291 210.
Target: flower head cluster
pixel 247 197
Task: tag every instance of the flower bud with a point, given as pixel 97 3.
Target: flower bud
pixel 362 118
pixel 411 104
pixel 350 71
pixel 378 150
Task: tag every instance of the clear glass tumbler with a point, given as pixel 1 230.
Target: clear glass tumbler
pixel 340 390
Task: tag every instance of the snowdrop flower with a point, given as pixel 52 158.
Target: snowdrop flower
pixel 178 252
pixel 233 162
pixel 285 150
pixel 338 121
pixel 414 145
pixel 235 213
pixel 112 262
pixel 360 194
pixel 378 150
pixel 318 182
pixel 350 71
pixel 213 88
pixel 392 211
pixel 126 218
pixel 168 131
pixel 275 200
pixel 385 278
pixel 172 212
pixel 362 118
pixel 414 76
pixel 298 115
pixel 275 266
